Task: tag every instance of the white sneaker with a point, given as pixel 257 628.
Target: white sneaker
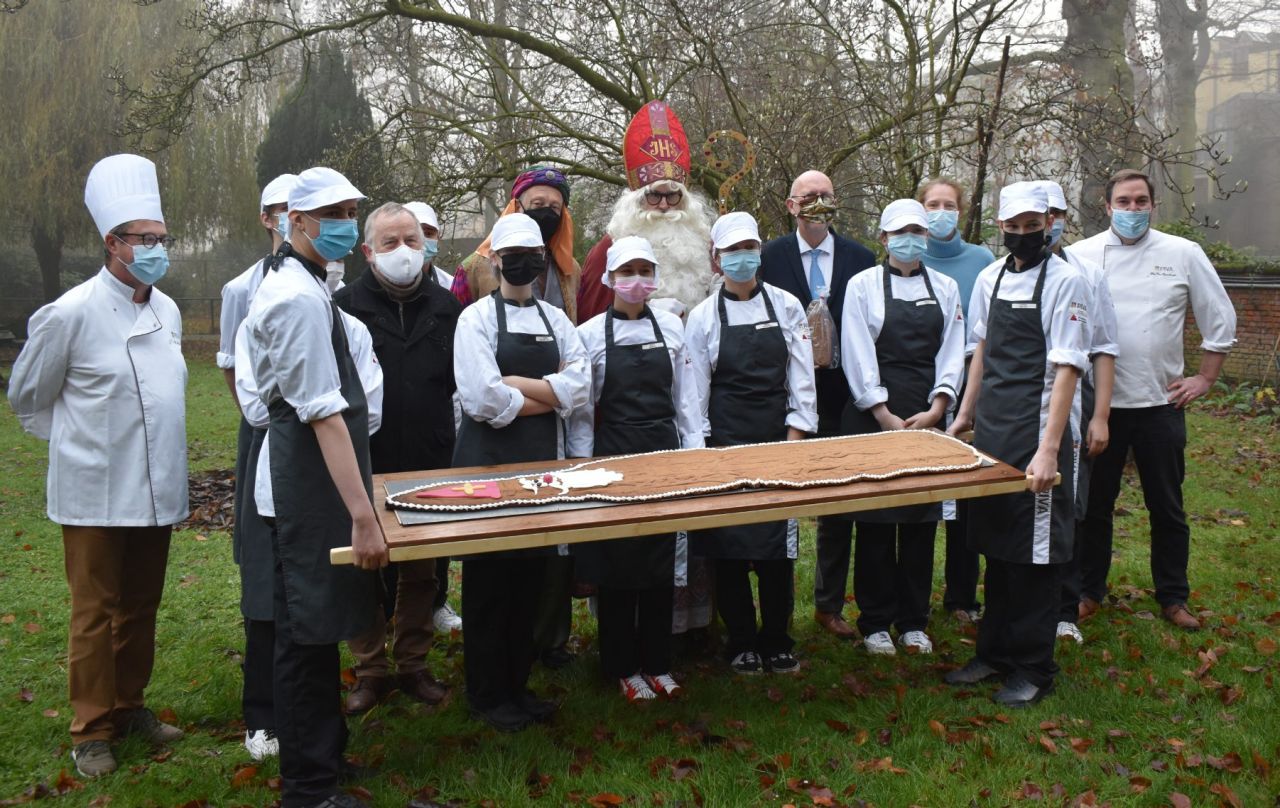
pixel 446 619
pixel 635 688
pixel 880 643
pixel 261 743
pixel 1071 630
pixel 916 642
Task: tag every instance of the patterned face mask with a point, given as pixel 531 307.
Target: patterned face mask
pixel 819 210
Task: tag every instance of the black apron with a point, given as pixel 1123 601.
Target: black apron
pixel 327 602
pixel 251 536
pixel 748 405
pixel 529 437
pixel 1020 528
pixel 906 352
pixel 1088 397
pixel 635 413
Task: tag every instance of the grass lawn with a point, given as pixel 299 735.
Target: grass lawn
pixel 1143 714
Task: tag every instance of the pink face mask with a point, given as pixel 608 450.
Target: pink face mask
pixel 635 289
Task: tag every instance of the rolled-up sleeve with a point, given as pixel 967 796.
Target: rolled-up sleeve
pixel 1215 316
pixel 251 404
pixel 1070 334
pixel 296 334
pixel 802 391
pixel 572 383
pixel 40 371
pixel 1106 333
pixel 235 305
pixel 481 392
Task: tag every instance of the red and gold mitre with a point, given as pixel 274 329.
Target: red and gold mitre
pixel 655 147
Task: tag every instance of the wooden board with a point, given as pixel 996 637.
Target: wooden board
pixel 621 521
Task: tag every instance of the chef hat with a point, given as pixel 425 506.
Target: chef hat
pixel 1022 197
pixel 277 191
pixel 1053 194
pixel 122 188
pixel 732 228
pixel 627 249
pixel 902 212
pixel 425 213
pixel 320 187
pixel 515 230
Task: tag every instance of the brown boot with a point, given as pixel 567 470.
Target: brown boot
pixel 1178 614
pixel 422 686
pixel 369 690
pixel 835 624
pixel 1088 608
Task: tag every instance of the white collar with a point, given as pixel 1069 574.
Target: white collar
pixel 827 245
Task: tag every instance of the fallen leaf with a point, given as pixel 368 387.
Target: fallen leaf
pixel 1047 744
pixel 66 783
pixel 604 800
pixel 1179 800
pixel 168 716
pixel 1229 695
pixel 49 713
pixel 773 694
pixel 838 726
pixel 32 628
pixel 201 537
pixel 1081 745
pixel 25 695
pixel 1029 791
pixel 1228 796
pixel 1139 784
pixel 937 728
pixel 243 776
pixel 8 618
pixel 1261 765
pixel 1266 646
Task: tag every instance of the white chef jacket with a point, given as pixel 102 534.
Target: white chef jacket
pixel 1104 338
pixel 637 332
pixel 359 343
pixel 237 293
pixel 444 279
pixel 1151 283
pixel 103 380
pixel 863 318
pixel 702 338
pixel 481 392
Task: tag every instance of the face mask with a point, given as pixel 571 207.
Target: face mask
pixel 337 237
pixel 401 266
pixel 334 272
pixel 818 211
pixel 521 269
pixel 282 225
pixel 149 264
pixel 1130 223
pixel 548 220
pixel 430 246
pixel 942 223
pixel 1026 247
pixel 907 247
pixel 635 289
pixel 1055 232
pixel 740 265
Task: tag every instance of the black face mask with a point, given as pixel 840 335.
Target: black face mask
pixel 548 220
pixel 521 269
pixel 1026 247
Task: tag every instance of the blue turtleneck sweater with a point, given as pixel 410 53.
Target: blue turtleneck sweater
pixel 960 261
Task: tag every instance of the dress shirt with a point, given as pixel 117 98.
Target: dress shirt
pixel 826 258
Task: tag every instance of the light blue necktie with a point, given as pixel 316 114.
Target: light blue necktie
pixel 816 282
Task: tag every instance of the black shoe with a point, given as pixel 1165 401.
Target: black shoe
pixel 341 800
pixel 556 658
pixel 1018 692
pixel 507 717
pixel 540 710
pixel 972 673
pixel 782 662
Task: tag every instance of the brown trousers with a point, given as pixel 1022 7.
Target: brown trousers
pixel 116 577
pixel 413 630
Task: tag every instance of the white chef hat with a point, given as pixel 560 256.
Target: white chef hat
pixel 122 188
pixel 277 191
pixel 1022 197
pixel 1053 194
pixel 425 213
pixel 902 212
pixel 732 228
pixel 627 249
pixel 319 187
pixel 515 230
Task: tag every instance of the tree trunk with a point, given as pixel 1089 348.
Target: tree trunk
pixel 1179 27
pixel 48 248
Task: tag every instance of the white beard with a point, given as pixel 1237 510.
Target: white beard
pixel 681 242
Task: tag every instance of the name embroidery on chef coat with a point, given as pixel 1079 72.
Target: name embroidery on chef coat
pixel 766 325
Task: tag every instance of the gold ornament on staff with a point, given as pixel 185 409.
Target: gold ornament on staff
pixel 748 162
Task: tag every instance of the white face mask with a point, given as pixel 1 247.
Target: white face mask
pixel 333 274
pixel 401 266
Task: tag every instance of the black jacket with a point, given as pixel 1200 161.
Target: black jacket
pixel 417 368
pixel 781 266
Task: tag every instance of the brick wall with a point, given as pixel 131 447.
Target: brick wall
pixel 1257 303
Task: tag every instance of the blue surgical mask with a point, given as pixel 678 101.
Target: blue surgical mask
pixel 149 264
pixel 740 265
pixel 282 225
pixel 942 223
pixel 1055 232
pixel 908 247
pixel 1130 223
pixel 337 237
pixel 430 247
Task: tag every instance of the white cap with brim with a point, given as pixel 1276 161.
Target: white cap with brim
pixel 733 228
pixel 122 188
pixel 627 249
pixel 277 191
pixel 515 230
pixel 425 213
pixel 320 187
pixel 901 213
pixel 1053 194
pixel 1021 197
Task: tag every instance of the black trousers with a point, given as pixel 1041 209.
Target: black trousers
pixel 498 596
pixel 1158 437
pixel 635 631
pixel 831 567
pixel 257 698
pixel 553 609
pixel 442 584
pixel 1069 604
pixel 961 565
pixel 893 575
pixel 308 710
pixel 1018 631
pixel 776 581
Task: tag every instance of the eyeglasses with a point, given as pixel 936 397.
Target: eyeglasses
pixel 151 239
pixel 655 197
pixel 809 199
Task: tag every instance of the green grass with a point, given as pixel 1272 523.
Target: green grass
pixel 1141 711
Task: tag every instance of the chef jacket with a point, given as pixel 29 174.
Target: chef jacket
pixel 237 293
